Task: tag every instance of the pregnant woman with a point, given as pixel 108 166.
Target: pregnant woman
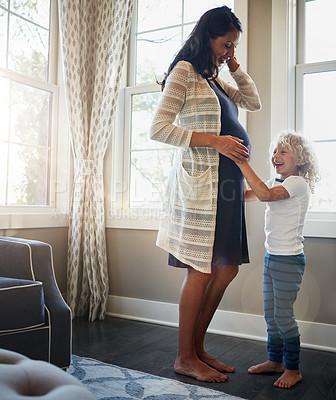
pixel 203 228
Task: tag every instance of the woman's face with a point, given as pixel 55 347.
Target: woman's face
pixel 224 46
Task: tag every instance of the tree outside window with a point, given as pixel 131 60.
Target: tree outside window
pixel 26 100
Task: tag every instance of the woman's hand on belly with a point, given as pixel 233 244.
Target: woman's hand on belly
pixel 231 147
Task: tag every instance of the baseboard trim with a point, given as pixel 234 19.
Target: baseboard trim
pixel 248 326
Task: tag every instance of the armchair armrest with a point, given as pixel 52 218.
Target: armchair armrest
pixel 33 260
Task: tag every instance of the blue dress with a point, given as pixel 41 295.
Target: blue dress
pixel 230 245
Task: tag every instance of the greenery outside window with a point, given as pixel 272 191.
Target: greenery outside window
pixel 28 104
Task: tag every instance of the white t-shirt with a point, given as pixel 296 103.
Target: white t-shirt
pixel 284 219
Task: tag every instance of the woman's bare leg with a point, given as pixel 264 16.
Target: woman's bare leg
pixel 213 295
pixel 187 362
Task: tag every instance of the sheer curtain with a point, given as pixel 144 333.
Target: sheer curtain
pixel 94 37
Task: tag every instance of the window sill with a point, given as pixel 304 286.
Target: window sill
pixel 317 225
pixel 33 220
pixel 142 219
pixel 320 225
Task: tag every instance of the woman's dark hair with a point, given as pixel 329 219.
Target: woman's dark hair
pixel 212 24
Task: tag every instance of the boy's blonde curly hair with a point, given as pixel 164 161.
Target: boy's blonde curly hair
pixel 306 159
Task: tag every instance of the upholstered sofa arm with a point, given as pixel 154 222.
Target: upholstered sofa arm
pixel 33 260
pixel 28 259
pixel 25 299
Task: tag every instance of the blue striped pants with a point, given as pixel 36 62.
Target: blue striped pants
pixel 282 281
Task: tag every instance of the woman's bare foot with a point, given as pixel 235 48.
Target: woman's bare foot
pixel 288 379
pixel 199 370
pixel 267 366
pixel 214 363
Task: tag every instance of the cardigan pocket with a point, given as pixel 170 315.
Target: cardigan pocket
pixel 194 192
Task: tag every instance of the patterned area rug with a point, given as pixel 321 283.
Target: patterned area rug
pixel 110 382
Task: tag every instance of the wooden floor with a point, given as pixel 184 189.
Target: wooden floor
pixel 152 348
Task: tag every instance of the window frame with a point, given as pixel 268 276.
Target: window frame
pixel 118 156
pixel 55 213
pixel 286 107
pixel 129 92
pixel 318 223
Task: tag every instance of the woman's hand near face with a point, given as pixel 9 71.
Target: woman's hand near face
pixel 232 63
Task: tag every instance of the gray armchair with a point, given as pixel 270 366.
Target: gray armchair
pixel 35 320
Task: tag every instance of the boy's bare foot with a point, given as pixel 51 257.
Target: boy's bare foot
pixel 288 379
pixel 199 370
pixel 267 366
pixel 214 363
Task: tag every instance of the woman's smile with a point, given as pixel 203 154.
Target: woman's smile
pixel 223 47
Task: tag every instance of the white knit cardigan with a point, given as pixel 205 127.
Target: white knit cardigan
pixel 187 105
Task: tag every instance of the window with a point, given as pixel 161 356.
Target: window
pixel 28 103
pixel 153 42
pixel 315 105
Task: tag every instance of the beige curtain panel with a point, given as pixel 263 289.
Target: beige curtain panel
pixel 94 37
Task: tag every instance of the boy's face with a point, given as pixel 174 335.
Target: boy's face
pixel 284 161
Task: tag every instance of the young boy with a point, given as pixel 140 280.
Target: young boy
pixel 287 198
